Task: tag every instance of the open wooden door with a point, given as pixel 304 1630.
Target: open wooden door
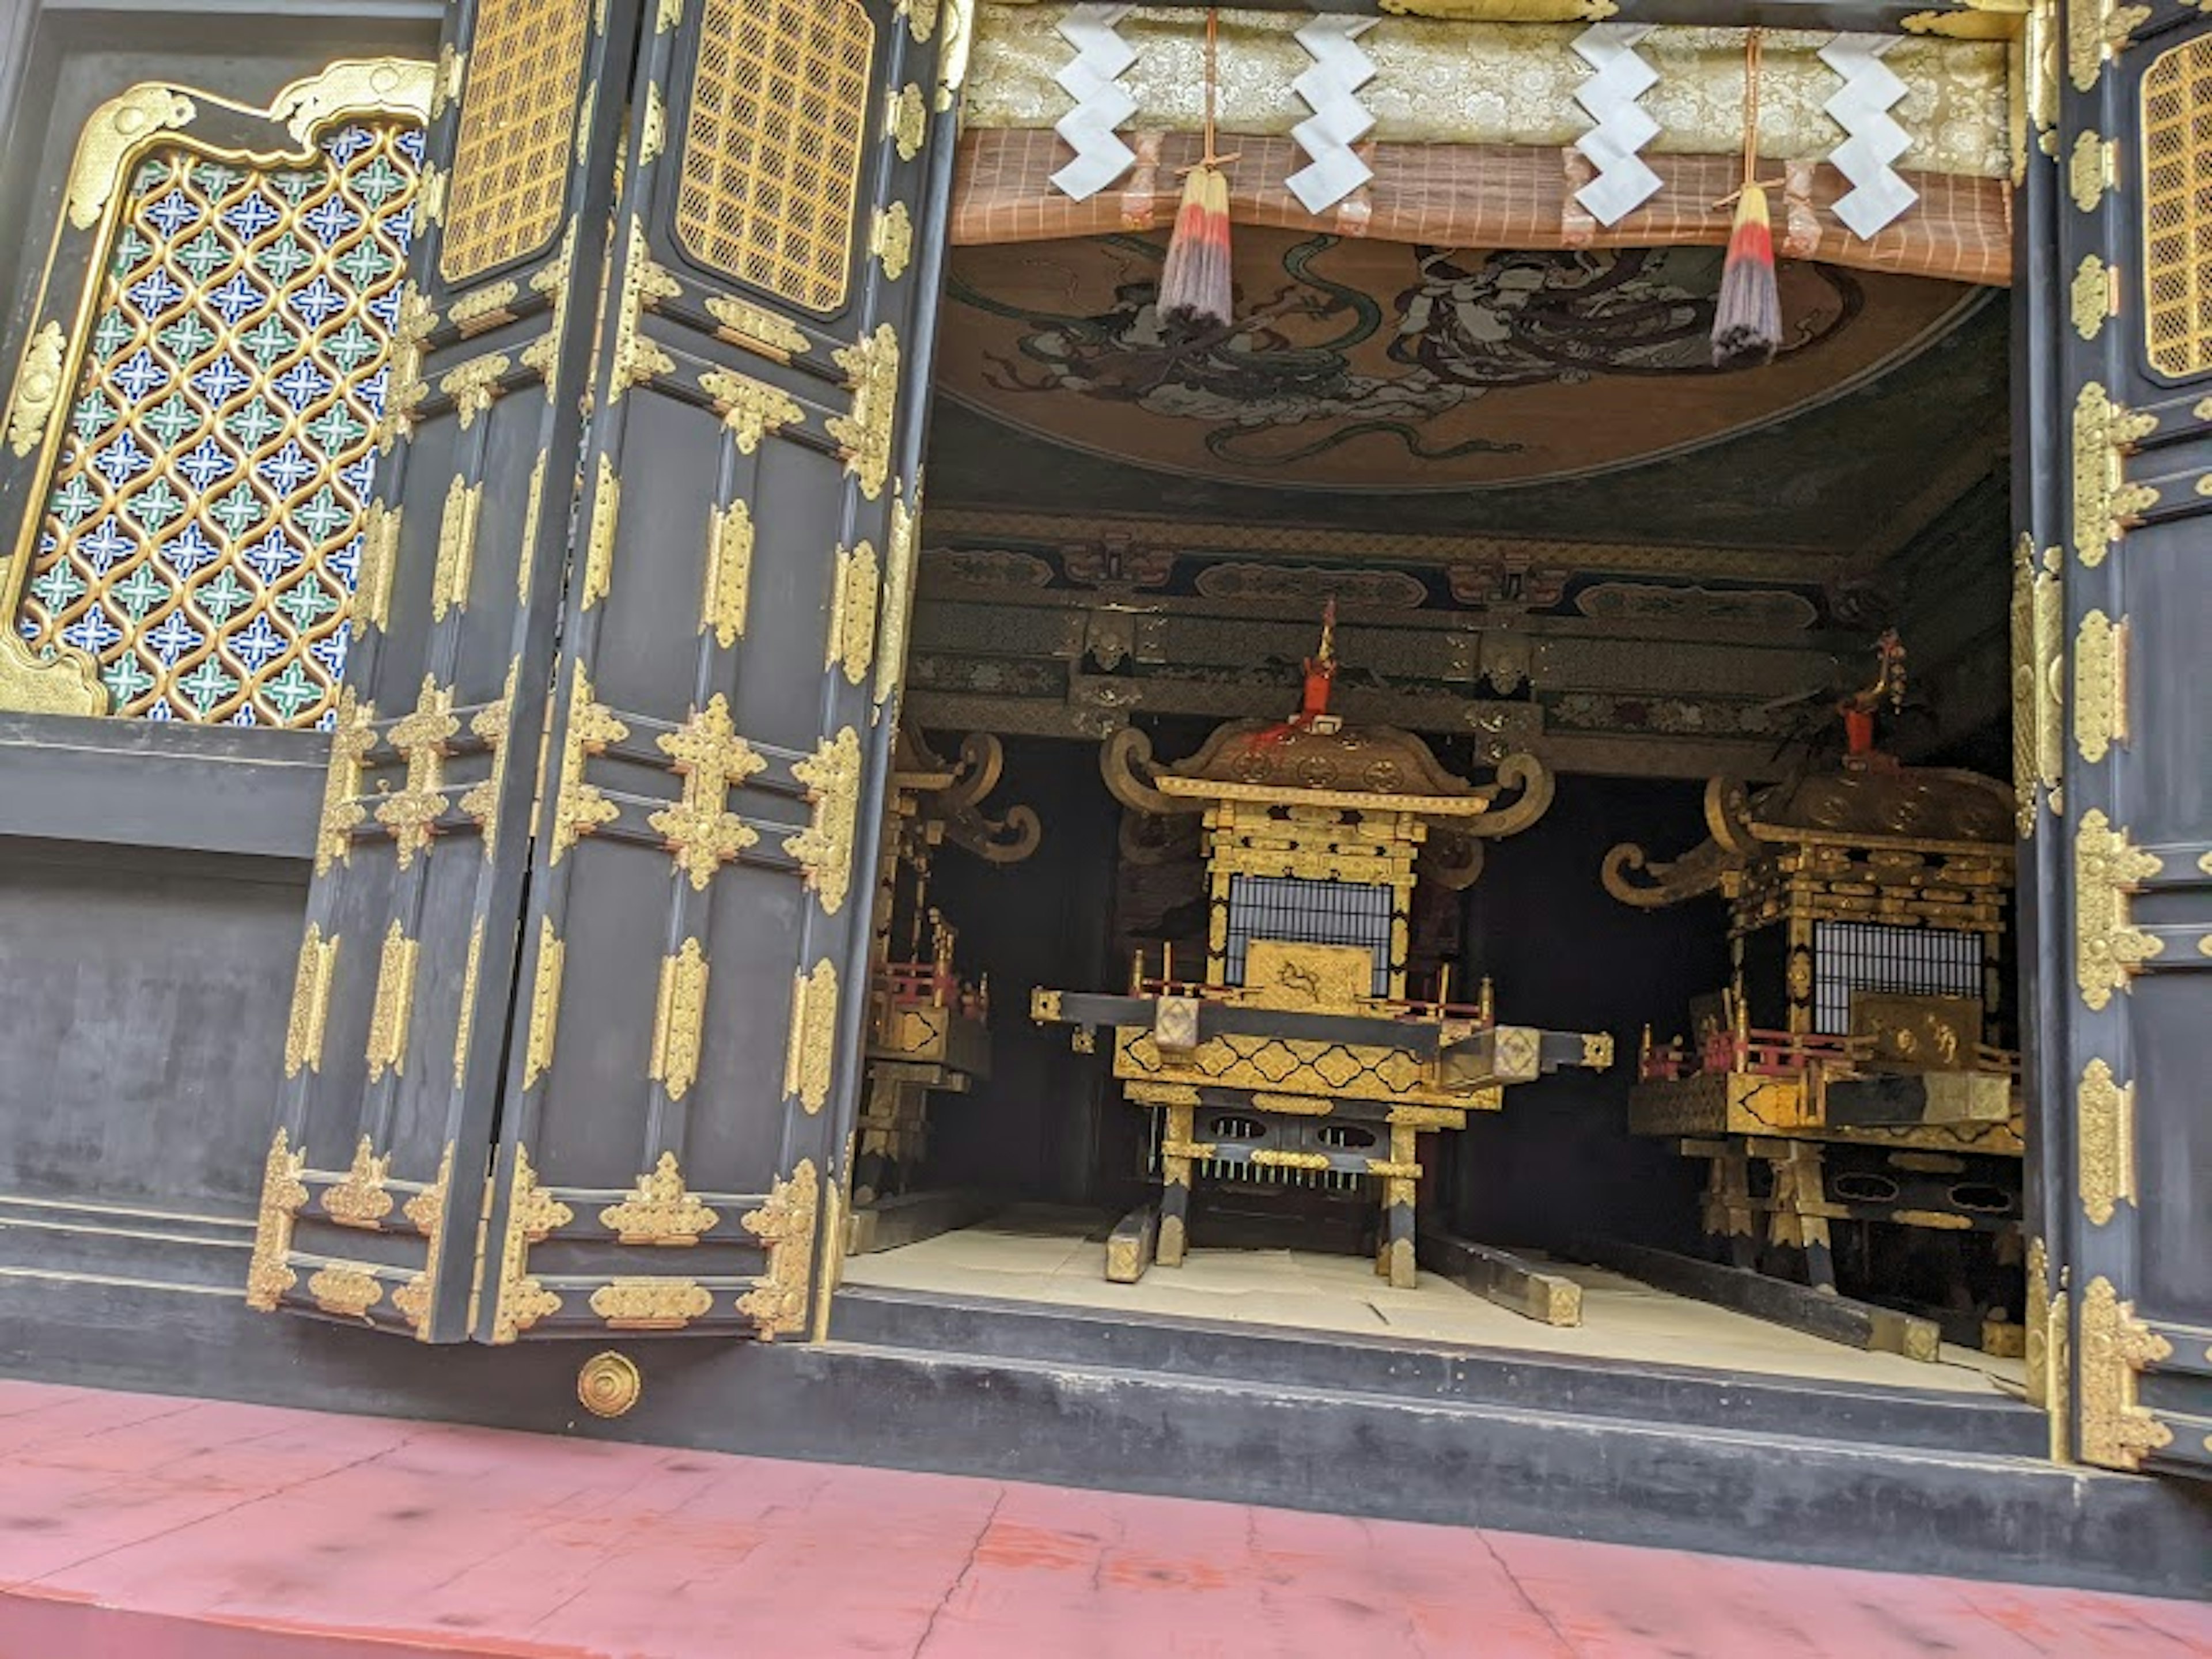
pixel 2112 616
pixel 604 1015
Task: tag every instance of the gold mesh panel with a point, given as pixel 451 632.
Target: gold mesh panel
pixel 2177 161
pixel 772 147
pixel 518 118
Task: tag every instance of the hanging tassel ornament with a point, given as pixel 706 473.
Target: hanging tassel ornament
pixel 1195 296
pixel 1747 318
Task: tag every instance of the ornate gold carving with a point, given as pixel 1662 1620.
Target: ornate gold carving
pixel 2176 169
pixel 412 813
pixel 712 759
pixel 2101 690
pixel 427 1212
pixel 2108 947
pixel 635 359
pixel 2092 169
pixel 751 408
pixel 2105 1140
pixel 360 1199
pixel 345 1288
pixel 112 136
pixel 757 330
pixel 679 1019
pixel 2095 31
pixel 282 1193
pixel 2092 295
pixel 785 1227
pixel 380 562
pixel 921 19
pixel 609 1384
pixel 447 79
pixel 890 239
pixel 394 1007
pixel 475 386
pixel 813 1046
pixel 510 146
pixel 906 119
pixel 531 1213
pixel 311 1002
pixel 533 510
pixel 465 1021
pixel 351 738
pixel 354 85
pixel 579 807
pixel 490 726
pixel 457 550
pixel 489 307
pixel 863 435
pixel 430 197
pixel 852 638
pixel 599 542
pixel 729 573
pixel 1597 1050
pixel 659 1209
pixel 38 390
pixel 898 592
pixel 2116 1431
pixel 2038 607
pixel 651 1305
pixel 2105 503
pixel 545 1003
pixel 824 848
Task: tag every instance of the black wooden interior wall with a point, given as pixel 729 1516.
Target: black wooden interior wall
pixel 152 876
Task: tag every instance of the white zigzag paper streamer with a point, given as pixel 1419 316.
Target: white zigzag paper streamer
pixel 1625 181
pixel 1873 140
pixel 1331 89
pixel 1101 57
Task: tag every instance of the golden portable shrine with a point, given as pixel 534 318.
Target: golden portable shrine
pixel 928 1025
pixel 1300 1048
pixel 1850 1071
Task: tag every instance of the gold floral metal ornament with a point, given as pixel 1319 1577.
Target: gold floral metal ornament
pixel 812 1052
pixel 394 1007
pixel 784 1226
pixel 865 434
pixel 2116 1431
pixel 2108 948
pixel 532 1214
pixel 311 1002
pixel 2105 503
pixel 2105 1140
pixel 679 1023
pixel 660 1210
pixel 712 759
pixel 269 1275
pixel 38 390
pixel 608 1385
pixel 360 1199
pixel 729 573
pixel 824 849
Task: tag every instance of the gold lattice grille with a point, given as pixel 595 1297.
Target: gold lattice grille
pixel 2176 161
pixel 518 118
pixel 772 149
pixel 202 526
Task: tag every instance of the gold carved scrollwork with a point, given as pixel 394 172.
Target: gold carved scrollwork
pixel 384 85
pixel 475 386
pixel 751 408
pixel 545 1003
pixel 579 807
pixel 2105 503
pixel 427 1212
pixel 2100 696
pixel 38 390
pixel 2105 1139
pixel 394 1007
pixel 679 1021
pixel 824 848
pixel 757 330
pixel 813 1046
pixel 921 19
pixel 347 1289
pixel 906 120
pixel 412 813
pixel 116 130
pixel 651 1305
pixel 729 573
pixel 359 1200
pixel 863 435
pixel 311 1002
pixel 2037 662
pixel 2108 947
pixel 282 1193
pixel 890 239
pixel 659 1209
pixel 712 759
pixel 531 1213
pixel 351 738
pixel 898 592
pixel 2095 30
pixel 457 550
pixel 379 563
pixel 852 612
pixel 2090 169
pixel 2117 1431
pixel 2091 296
pixel 451 75
pixel 785 1227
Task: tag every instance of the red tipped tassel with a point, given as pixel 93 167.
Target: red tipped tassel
pixel 1195 283
pixel 1748 319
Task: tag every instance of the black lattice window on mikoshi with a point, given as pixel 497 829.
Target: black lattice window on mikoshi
pixel 1298 911
pixel 201 532
pixel 1864 955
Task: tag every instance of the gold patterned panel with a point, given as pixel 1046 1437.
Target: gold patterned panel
pixel 510 155
pixel 2101 687
pixel 2176 208
pixel 771 155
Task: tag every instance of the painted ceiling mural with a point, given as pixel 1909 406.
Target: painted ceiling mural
pixel 1386 367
